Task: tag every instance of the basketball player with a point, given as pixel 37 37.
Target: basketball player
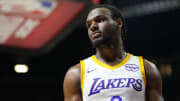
pixel 111 74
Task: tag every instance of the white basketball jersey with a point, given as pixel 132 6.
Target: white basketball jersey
pixel 122 82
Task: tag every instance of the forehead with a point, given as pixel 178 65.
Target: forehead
pixel 98 12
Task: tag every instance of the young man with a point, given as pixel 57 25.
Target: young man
pixel 111 74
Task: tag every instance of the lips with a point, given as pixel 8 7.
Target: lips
pixel 96 35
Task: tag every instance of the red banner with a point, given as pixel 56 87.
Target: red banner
pixel 34 23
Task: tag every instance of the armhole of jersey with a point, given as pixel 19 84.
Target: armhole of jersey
pixel 142 69
pixel 82 74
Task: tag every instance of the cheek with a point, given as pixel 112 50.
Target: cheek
pixel 103 27
pixel 114 26
pixel 108 28
pixel 89 34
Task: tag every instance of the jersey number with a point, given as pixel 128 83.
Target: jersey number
pixel 116 98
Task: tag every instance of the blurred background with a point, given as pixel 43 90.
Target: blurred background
pixel 152 32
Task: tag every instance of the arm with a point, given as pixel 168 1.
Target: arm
pixel 154 82
pixel 72 88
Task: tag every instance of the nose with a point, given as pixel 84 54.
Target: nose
pixel 94 27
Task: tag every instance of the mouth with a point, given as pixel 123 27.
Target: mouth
pixel 96 35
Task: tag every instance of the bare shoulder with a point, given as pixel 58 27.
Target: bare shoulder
pixel 154 82
pixel 73 73
pixel 74 70
pixel 151 69
pixel 72 81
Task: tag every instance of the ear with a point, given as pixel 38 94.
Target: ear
pixel 119 23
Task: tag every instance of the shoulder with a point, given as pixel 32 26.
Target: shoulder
pixel 74 72
pixel 72 86
pixel 153 76
pixel 71 83
pixel 150 68
pixel 154 82
pixel 75 68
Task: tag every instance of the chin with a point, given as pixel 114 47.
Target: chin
pixel 98 42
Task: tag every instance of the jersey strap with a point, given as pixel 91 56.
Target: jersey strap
pixel 82 74
pixel 142 68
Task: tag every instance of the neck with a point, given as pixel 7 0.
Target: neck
pixel 111 52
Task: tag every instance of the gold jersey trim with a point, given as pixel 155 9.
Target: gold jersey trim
pixel 142 69
pixel 108 66
pixel 82 74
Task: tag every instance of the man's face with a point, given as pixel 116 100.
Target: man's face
pixel 101 26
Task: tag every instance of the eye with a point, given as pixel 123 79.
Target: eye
pixel 100 19
pixel 88 25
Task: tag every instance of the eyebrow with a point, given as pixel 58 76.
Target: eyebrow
pixel 87 21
